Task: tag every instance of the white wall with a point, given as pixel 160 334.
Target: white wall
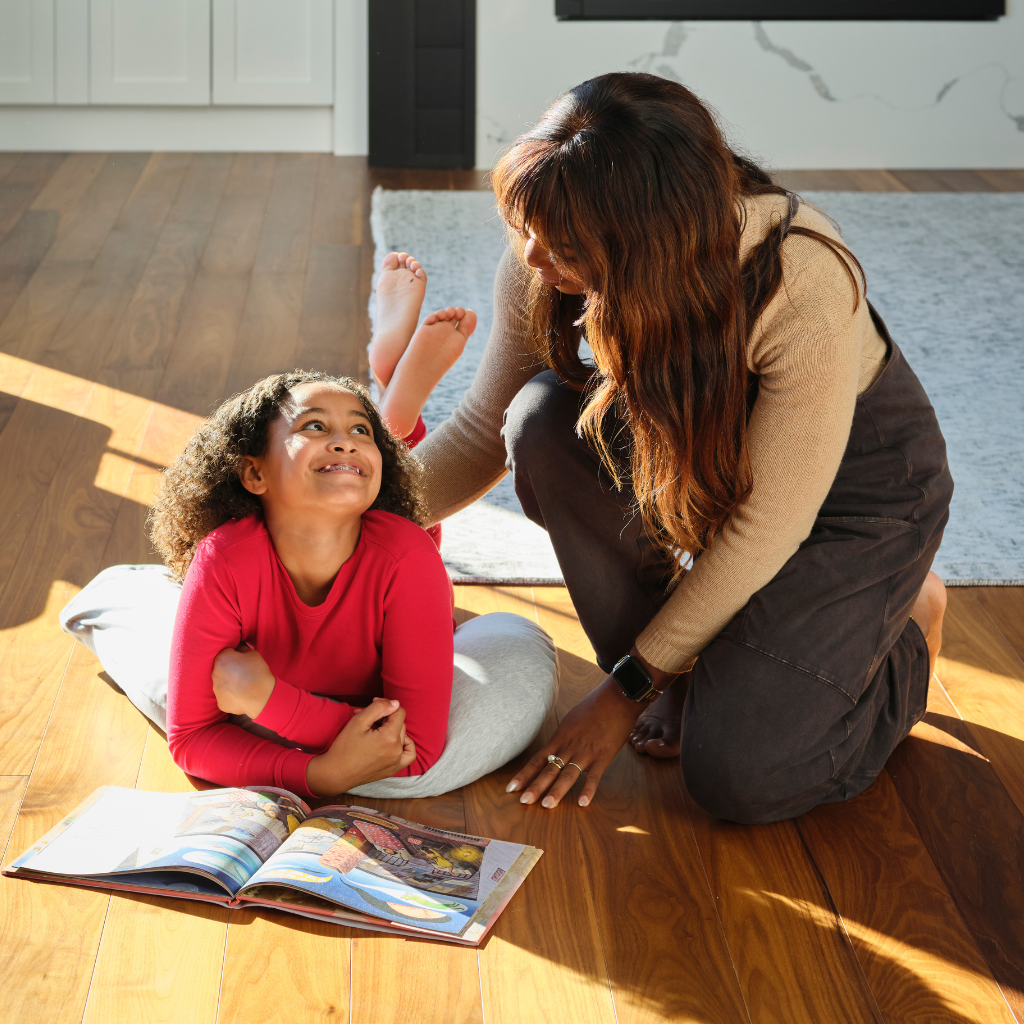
pixel 792 94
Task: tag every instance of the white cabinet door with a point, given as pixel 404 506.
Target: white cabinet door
pixel 154 52
pixel 26 51
pixel 273 52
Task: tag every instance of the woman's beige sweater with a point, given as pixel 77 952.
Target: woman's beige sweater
pixel 814 355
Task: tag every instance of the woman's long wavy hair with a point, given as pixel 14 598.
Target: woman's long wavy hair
pixel 629 183
pixel 202 489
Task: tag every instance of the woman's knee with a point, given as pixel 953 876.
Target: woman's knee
pixel 724 789
pixel 543 411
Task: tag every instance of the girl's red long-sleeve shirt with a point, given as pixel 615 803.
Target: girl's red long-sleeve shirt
pixel 385 629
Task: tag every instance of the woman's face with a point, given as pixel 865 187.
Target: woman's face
pixel 548 270
pixel 320 454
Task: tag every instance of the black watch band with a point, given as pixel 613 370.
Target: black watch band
pixel 634 680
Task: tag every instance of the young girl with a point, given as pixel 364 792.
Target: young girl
pixel 313 646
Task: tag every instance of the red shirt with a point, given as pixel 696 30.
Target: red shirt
pixel 385 629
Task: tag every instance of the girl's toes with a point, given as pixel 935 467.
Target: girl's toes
pixel 390 261
pixel 468 323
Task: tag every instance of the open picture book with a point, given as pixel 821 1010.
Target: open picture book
pixel 264 847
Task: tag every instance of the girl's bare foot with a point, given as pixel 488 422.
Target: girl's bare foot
pixel 400 289
pixel 658 729
pixel 433 350
pixel 928 611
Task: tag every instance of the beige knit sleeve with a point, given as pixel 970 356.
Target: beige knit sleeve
pixel 465 457
pixel 807 349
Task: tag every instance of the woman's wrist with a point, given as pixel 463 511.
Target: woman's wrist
pixel 661 679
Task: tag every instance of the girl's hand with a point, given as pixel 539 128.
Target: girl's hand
pixel 590 736
pixel 242 682
pixel 373 745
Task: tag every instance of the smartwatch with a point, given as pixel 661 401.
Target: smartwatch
pixel 634 680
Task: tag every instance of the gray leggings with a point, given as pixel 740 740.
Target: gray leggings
pixel 504 680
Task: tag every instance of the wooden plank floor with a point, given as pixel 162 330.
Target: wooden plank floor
pixel 136 291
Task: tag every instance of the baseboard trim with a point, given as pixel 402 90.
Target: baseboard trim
pixel 167 129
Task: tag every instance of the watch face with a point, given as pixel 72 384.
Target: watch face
pixel 632 677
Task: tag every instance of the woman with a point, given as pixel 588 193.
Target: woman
pixel 747 513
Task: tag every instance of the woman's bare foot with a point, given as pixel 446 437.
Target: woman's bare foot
pixel 658 729
pixel 400 289
pixel 432 352
pixel 928 611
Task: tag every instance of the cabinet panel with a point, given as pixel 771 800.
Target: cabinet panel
pixel 26 51
pixel 149 52
pixel 270 53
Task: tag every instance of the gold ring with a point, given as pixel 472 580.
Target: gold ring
pixel 576 766
pixel 555 759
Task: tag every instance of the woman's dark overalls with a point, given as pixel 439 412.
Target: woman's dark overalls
pixel 803 696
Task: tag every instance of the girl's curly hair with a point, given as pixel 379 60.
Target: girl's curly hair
pixel 202 490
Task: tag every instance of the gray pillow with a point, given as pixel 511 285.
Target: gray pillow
pixel 125 616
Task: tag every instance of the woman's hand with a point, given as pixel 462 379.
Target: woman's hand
pixel 242 682
pixel 373 745
pixel 590 736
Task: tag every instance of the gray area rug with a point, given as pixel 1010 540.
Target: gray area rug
pixel 946 271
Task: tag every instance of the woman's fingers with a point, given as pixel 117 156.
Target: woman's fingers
pixel 529 771
pixel 564 781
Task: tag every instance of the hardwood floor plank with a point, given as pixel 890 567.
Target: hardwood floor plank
pixel 974 835
pixel 69 183
pixel 944 180
pixel 529 969
pixel 341 185
pixel 334 329
pixel 918 956
pixel 397 979
pixel 664 946
pixel 282 969
pixel 235 236
pixel 87 331
pixel 195 378
pixel 984 678
pixel 86 226
pixel 7 163
pixel 12 793
pixel 21 251
pixel 61 553
pixel 37 434
pixel 1005 607
pixel 1004 180
pixel 284 243
pixel 794 959
pixel 25 180
pixel 839 181
pixel 51 932
pixel 268 334
pixel 159 958
pixel 166 434
pixel 41 306
pixel 86 216
pixel 142 344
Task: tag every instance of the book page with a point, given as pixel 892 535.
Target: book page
pixel 111 831
pixel 224 834
pixel 387 867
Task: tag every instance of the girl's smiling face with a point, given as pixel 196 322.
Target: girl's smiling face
pixel 320 454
